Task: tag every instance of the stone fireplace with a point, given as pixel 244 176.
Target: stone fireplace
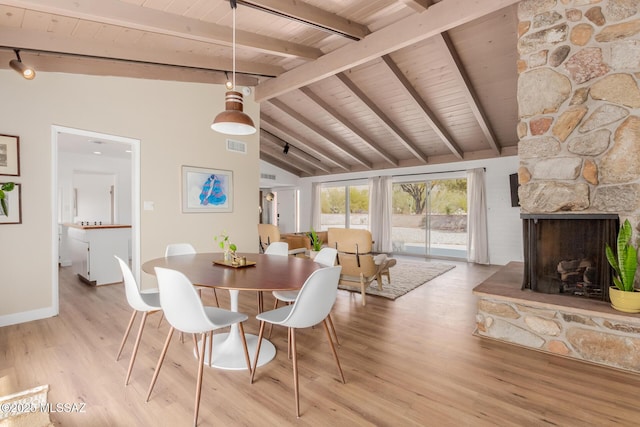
pixel 579 150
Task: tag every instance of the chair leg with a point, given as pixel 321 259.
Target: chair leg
pixel 126 334
pixel 195 343
pixel 363 286
pixel 210 348
pixel 255 361
pixel 275 305
pixel 135 347
pixel 216 297
pixel 199 381
pixel 379 280
pixel 246 350
pixel 333 329
pixel 160 360
pixel 161 317
pixel 295 370
pixel 333 350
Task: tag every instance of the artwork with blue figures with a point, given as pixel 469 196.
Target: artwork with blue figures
pixel 213 192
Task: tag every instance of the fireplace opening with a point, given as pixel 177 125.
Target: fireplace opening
pixel 565 253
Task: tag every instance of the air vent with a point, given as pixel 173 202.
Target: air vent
pixel 237 146
pixel 268 176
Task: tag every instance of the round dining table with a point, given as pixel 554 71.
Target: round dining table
pixel 262 273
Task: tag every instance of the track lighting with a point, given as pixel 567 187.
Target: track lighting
pixel 17 64
pixel 286 148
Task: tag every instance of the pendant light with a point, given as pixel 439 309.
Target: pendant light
pixel 233 121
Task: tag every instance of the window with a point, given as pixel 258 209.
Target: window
pixel 430 217
pixel 344 206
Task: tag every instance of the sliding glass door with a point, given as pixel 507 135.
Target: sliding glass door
pixel 430 217
pixel 344 206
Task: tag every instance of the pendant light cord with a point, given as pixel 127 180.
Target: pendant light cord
pixel 234 48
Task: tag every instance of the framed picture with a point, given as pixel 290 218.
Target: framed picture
pixel 13 202
pixel 9 155
pixel 206 190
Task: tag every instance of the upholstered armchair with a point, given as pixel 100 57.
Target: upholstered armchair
pixel 269 233
pixel 360 266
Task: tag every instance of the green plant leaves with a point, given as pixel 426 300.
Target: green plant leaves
pixel 626 262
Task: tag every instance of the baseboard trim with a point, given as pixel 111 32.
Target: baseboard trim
pixel 27 316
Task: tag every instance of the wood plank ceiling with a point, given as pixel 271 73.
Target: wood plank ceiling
pixel 348 85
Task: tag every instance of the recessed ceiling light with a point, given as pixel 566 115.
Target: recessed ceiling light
pixel 97 152
pixel 127 151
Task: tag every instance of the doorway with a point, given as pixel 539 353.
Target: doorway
pixel 87 152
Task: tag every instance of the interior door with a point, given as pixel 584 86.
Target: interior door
pixel 287 210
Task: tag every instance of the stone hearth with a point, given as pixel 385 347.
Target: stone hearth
pixel 577 328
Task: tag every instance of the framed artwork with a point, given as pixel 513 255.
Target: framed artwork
pixel 13 202
pixel 206 190
pixel 9 155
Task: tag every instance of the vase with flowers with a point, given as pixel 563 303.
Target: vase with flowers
pixel 228 248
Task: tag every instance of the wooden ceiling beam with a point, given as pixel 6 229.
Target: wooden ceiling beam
pixel 346 123
pixel 430 117
pixel 38 41
pixel 440 17
pixel 279 163
pixel 320 132
pixel 274 149
pixel 446 45
pixel 310 15
pixel 386 121
pixel 277 128
pixel 122 14
pixel 294 151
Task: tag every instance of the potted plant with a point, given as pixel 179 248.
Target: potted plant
pixel 623 295
pixel 5 188
pixel 229 249
pixel 316 243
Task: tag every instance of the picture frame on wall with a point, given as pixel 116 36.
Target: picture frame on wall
pixel 206 190
pixel 13 202
pixel 9 155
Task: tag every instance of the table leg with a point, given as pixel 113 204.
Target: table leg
pixel 228 352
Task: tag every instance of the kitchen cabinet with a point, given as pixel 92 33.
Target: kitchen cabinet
pixel 92 249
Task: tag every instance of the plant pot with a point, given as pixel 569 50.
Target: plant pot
pixel 628 302
pixel 312 254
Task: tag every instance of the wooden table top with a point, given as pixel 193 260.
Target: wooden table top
pixel 270 273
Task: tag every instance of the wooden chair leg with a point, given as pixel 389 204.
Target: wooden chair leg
pixel 135 347
pixel 246 349
pixel 126 334
pixel 275 305
pixel 160 321
pixel 216 297
pixel 295 370
pixel 199 381
pixel 333 350
pixel 255 360
pixel 210 348
pixel 363 286
pixel 333 329
pixel 379 280
pixel 160 360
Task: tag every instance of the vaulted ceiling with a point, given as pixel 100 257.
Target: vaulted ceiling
pixel 348 85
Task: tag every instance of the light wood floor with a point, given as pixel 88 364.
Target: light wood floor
pixel 409 362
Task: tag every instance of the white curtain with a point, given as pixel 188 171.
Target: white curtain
pixel 380 209
pixel 315 206
pixel 477 243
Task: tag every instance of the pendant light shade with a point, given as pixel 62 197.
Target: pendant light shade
pixel 233 121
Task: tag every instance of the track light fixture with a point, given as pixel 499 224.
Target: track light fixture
pixel 17 64
pixel 286 148
pixel 233 121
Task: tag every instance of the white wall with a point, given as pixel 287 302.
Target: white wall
pixel 171 119
pixel 504 224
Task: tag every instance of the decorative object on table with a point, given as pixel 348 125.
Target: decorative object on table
pixel 10 203
pixel 623 295
pixel 316 243
pixel 9 155
pixel 238 263
pixel 206 190
pixel 229 249
pixel 407 276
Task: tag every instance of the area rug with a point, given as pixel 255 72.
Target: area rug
pixel 405 277
pixel 23 409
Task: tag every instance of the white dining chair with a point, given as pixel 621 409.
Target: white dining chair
pixel 142 302
pixel 185 312
pixel 187 249
pixel 314 302
pixel 277 248
pixel 327 258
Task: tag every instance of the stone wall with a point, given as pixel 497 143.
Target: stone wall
pixel 610 340
pixel 579 106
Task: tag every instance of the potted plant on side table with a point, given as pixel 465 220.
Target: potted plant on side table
pixel 623 295
pixel 316 244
